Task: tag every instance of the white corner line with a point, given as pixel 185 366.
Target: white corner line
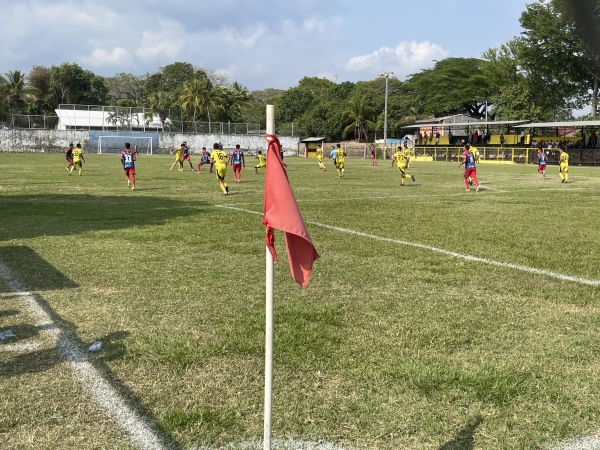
pixel 490 262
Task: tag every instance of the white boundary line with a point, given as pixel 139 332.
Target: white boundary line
pixel 139 429
pixel 491 262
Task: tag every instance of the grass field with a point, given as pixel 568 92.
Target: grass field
pixel 435 319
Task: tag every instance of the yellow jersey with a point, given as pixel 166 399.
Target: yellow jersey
pixel 219 157
pixel 401 158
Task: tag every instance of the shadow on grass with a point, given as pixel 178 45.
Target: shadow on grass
pixel 465 439
pixel 67 346
pixel 27 216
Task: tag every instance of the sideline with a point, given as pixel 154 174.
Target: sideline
pixel 491 262
pixel 141 432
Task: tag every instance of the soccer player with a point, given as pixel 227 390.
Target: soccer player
pixel 402 158
pixel 204 158
pixel 128 158
pixel 332 155
pixel 373 162
pixel 262 161
pixel 470 168
pixel 78 159
pixel 475 157
pixel 563 169
pixel 178 157
pixel 542 163
pixel 339 160
pixel 69 156
pixel 219 158
pixel 186 156
pixel 237 160
pixel 319 154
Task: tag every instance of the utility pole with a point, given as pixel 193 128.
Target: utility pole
pixel 386 75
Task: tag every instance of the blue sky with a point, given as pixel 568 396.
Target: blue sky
pixel 258 43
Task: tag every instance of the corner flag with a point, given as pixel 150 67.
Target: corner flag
pixel 281 212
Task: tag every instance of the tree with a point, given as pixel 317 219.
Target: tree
pixel 559 66
pixel 191 98
pixel 171 77
pixel 39 80
pixel 69 83
pixel 14 91
pixel 159 103
pixel 358 113
pixel 452 86
pixel 125 88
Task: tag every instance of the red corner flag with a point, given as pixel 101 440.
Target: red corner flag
pixel 281 212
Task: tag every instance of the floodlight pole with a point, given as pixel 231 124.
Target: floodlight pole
pixel 385 109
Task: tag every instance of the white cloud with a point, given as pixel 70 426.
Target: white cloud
pixel 405 58
pixel 166 42
pixel 116 56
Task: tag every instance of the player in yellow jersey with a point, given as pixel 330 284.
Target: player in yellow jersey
pixel 319 154
pixel 563 170
pixel 262 161
pixel 340 155
pixel 220 158
pixel 402 158
pixel 78 159
pixel 178 157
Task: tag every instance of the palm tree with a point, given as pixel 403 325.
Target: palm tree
pixel 357 112
pixel 15 91
pixel 191 97
pixel 208 97
pixel 159 103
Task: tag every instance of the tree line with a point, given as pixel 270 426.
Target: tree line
pixel 544 74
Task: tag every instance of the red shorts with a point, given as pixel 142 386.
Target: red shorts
pixel 372 156
pixel 541 167
pixel 237 167
pixel 130 171
pixel 471 173
pixel 186 157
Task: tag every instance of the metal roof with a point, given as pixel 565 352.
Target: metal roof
pixel 313 139
pixel 572 123
pixel 464 124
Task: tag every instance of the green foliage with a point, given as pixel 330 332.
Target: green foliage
pixel 71 84
pixel 454 85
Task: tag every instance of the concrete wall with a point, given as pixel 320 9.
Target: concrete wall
pixel 56 141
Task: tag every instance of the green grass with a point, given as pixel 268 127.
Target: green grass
pixel 390 346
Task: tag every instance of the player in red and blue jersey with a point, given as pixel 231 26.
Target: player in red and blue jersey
pixel 237 160
pixel 470 168
pixel 542 158
pixel 204 158
pixel 186 155
pixel 128 159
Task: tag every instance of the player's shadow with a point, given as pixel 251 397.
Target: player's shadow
pixel 60 342
pixel 465 439
pixel 63 215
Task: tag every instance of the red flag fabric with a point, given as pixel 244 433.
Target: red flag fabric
pixel 281 212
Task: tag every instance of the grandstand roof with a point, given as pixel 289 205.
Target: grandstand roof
pixel 464 124
pixel 571 123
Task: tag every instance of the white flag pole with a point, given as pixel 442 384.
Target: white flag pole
pixel 269 319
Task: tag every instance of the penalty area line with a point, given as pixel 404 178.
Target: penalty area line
pixel 490 262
